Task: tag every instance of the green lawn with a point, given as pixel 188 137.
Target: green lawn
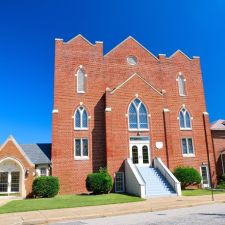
pixel 199 192
pixel 66 201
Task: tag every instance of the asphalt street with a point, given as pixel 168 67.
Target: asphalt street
pixel 200 215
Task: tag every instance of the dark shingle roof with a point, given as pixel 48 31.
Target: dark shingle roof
pixel 38 153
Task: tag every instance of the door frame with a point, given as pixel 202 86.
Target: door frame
pixel 140 142
pixel 208 178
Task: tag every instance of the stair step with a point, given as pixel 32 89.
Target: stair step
pixel 156 184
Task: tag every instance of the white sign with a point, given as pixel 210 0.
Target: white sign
pixel 159 145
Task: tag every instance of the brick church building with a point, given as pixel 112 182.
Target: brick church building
pixel 129 111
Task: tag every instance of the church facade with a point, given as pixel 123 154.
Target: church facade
pixel 126 105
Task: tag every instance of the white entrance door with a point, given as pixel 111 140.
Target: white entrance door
pixel 9 182
pixel 205 176
pixel 139 150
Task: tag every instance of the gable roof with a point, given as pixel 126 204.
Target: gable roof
pixel 132 76
pixel 33 153
pixel 11 138
pixel 130 37
pixel 218 125
pixel 38 153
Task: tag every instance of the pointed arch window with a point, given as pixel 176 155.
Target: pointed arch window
pixel 138 115
pixel 181 85
pixel 81 81
pixel 81 119
pixel 185 120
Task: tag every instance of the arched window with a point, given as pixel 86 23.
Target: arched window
pixel 185 120
pixel 181 85
pixel 138 115
pixel 81 118
pixel 81 81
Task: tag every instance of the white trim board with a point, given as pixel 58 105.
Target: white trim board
pixel 179 51
pixel 135 74
pixel 79 35
pixel 130 37
pixel 11 138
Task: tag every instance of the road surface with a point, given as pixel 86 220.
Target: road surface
pixel 201 215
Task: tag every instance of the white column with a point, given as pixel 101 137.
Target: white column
pixel 9 182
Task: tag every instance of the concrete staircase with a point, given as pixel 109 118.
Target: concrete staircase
pixel 156 184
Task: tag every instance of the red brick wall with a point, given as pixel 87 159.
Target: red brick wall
pixel 68 57
pixel 219 145
pixel 108 132
pixel 10 150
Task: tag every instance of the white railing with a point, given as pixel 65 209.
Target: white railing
pixel 158 164
pixel 135 184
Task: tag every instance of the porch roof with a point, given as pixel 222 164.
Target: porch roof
pixel 218 125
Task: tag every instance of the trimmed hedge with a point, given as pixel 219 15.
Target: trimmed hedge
pixel 100 182
pixel 45 187
pixel 187 176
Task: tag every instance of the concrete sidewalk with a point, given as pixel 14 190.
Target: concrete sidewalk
pixel 153 204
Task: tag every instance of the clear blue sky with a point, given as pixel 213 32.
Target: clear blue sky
pixel 27 33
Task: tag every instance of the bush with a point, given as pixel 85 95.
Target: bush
pixel 221 183
pixel 187 176
pixel 99 183
pixel 45 187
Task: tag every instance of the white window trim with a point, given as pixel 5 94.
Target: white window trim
pixel 81 144
pixel 81 119
pixel 138 123
pixel 46 173
pixel 135 129
pixel 85 76
pixel 122 184
pixel 184 114
pixel 208 177
pixel 179 77
pixel 188 154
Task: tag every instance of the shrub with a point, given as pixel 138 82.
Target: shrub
pixel 45 187
pixel 100 182
pixel 221 184
pixel 223 177
pixel 187 176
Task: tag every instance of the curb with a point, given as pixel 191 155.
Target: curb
pixel 102 215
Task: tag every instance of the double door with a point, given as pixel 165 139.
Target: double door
pixel 139 153
pixel 9 182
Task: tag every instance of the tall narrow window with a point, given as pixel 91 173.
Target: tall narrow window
pixel 138 115
pixel 185 120
pixel 119 182
pixel 81 81
pixel 181 85
pixel 81 119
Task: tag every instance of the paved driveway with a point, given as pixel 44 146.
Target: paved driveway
pixel 200 215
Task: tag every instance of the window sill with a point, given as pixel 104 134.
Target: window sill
pixel 188 155
pixel 185 129
pixel 183 95
pixel 80 129
pixel 81 158
pixel 138 130
pixel 80 92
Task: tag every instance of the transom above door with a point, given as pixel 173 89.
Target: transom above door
pixel 139 150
